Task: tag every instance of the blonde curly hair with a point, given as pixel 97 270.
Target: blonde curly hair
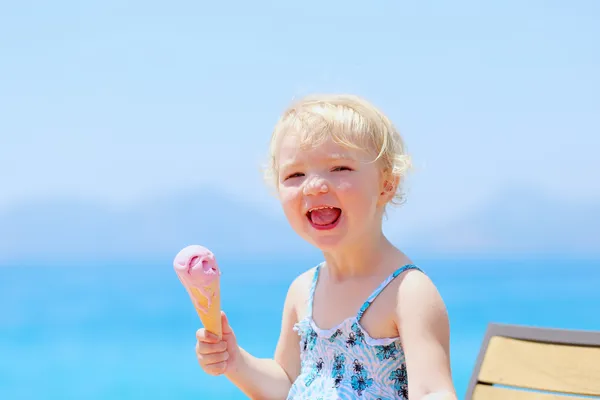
pixel 348 120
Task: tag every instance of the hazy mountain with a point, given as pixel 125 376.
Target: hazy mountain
pixel 519 220
pixel 523 221
pixel 67 229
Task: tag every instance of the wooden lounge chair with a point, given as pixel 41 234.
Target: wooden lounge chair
pixel 524 363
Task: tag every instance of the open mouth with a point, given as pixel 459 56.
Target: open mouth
pixel 324 217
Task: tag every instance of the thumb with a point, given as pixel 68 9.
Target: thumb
pixel 225 324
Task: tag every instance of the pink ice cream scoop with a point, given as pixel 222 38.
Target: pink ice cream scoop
pixel 199 273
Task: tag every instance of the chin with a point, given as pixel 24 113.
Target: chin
pixel 327 243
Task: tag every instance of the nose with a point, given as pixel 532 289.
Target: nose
pixel 314 186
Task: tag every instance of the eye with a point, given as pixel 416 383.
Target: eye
pixel 294 175
pixel 342 168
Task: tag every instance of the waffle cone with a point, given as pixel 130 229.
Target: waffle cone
pixel 211 319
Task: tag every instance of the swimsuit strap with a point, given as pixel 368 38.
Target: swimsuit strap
pixel 311 295
pixel 386 282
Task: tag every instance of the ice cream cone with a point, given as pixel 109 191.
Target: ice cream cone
pixel 209 308
pixel 199 273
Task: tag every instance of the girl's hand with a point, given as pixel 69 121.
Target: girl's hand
pixel 216 356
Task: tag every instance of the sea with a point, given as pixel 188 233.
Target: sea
pixel 109 330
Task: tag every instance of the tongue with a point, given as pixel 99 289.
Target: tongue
pixel 325 216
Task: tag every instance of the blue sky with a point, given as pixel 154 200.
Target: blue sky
pixel 117 103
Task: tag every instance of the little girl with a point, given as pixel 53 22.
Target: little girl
pixel 365 323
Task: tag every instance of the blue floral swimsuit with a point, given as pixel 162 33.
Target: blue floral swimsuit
pixel 344 362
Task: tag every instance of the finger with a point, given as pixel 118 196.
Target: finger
pixel 225 323
pixel 210 348
pixel 207 337
pixel 210 359
pixel 216 369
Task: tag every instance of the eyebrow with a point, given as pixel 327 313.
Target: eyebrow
pixel 332 157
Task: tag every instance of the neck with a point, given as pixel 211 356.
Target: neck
pixel 358 259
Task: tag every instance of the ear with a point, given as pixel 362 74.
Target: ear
pixel 388 187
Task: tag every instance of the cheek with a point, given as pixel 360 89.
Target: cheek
pixel 285 194
pixel 357 195
pixel 291 203
pixel 289 199
pixel 348 187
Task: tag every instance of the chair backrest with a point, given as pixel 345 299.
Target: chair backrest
pixel 525 363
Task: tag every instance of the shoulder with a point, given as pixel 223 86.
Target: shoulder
pixel 299 289
pixel 416 285
pixel 419 303
pixel 303 282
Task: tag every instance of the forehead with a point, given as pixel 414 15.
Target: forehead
pixel 293 150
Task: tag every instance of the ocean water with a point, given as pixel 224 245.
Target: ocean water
pixel 110 331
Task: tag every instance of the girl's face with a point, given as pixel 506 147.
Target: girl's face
pixel 332 196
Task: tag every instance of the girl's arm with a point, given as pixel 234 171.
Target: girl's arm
pixel 259 378
pixel 266 379
pixel 424 329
